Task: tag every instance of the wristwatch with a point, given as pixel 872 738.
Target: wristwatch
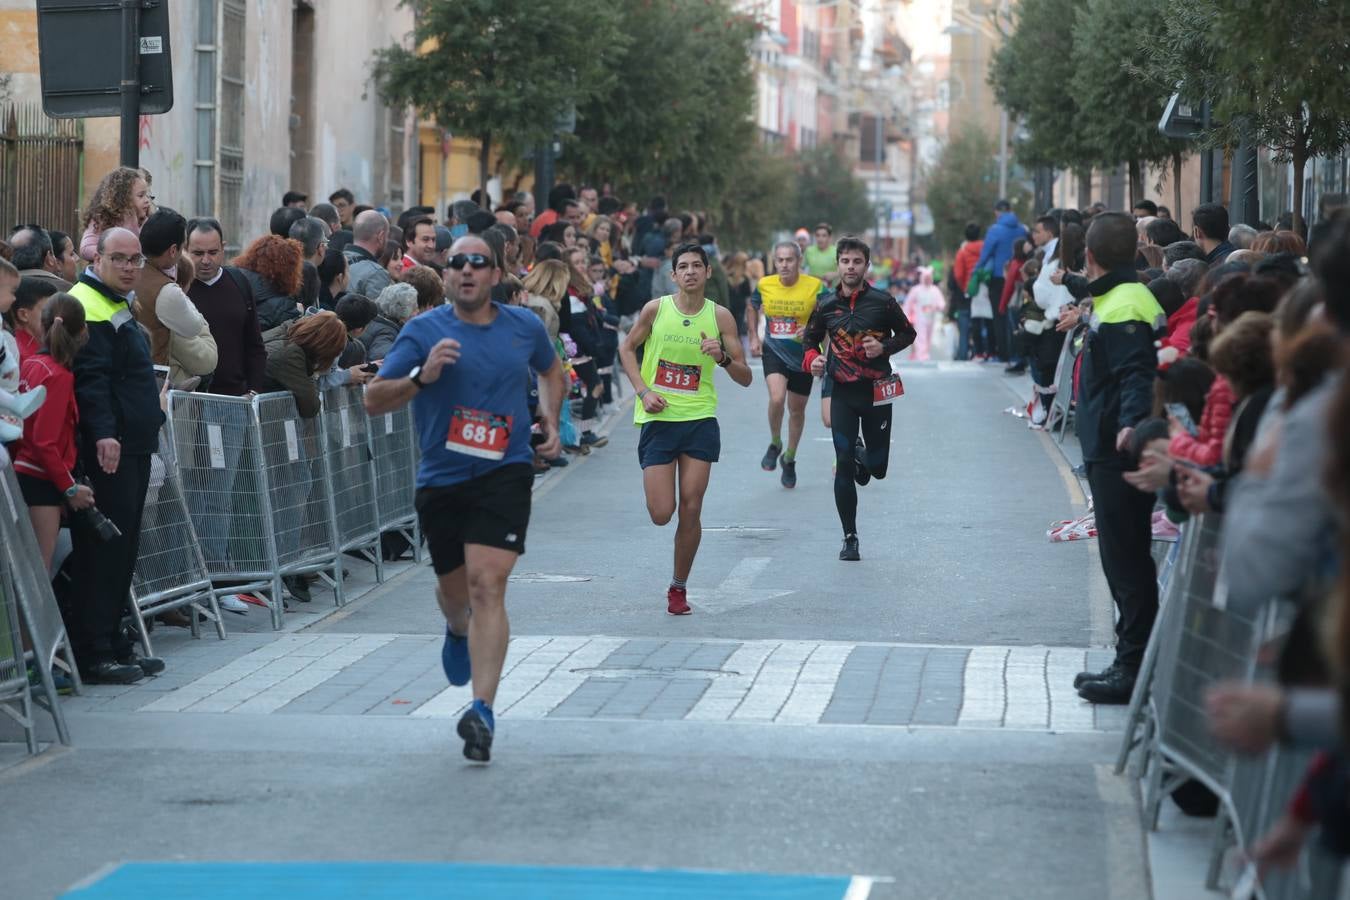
pixel 725 361
pixel 415 376
pixel 72 491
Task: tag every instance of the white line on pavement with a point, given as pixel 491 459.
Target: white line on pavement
pixel 984 693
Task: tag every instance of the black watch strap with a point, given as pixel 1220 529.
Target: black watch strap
pixel 415 376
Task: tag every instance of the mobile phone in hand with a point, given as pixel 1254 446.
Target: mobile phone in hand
pixel 370 368
pixel 1179 412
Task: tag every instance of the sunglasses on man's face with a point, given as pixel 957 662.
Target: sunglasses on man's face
pixel 477 260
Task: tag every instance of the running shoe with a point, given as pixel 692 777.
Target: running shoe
pixel 677 601
pixel 591 439
pixel 455 658
pixel 233 603
pixel 789 477
pixel 770 460
pixel 861 474
pixel 476 730
pixel 850 553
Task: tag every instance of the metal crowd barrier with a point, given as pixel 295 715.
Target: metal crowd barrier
pixel 393 447
pixel 26 597
pixel 1197 641
pixel 1062 402
pixel 170 571
pixel 351 467
pixel 256 482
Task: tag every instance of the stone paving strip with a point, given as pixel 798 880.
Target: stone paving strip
pixel 577 677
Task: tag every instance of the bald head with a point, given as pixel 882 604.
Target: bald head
pixel 370 231
pixel 119 261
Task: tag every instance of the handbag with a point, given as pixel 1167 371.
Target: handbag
pixel 980 305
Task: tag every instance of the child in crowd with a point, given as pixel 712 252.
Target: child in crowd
pixel 15 407
pixel 47 455
pixel 121 200
pixel 24 319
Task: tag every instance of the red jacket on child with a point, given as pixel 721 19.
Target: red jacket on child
pixel 48 447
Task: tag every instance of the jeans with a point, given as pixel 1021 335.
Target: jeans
pixel 962 319
pixel 1011 320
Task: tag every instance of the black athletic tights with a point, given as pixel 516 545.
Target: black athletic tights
pixel 851 411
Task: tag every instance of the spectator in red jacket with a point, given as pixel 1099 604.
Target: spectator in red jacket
pixel 47 453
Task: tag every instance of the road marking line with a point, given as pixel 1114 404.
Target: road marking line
pixel 556 688
pixel 722 697
pixel 774 685
pixel 452 700
pixel 1068 711
pixel 815 685
pixel 984 696
pixel 1028 702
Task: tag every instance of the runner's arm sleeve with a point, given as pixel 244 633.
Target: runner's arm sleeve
pixel 902 331
pixel 812 337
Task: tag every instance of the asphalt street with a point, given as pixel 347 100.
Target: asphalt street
pixel 905 719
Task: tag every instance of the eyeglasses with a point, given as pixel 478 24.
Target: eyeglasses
pixel 127 262
pixel 477 260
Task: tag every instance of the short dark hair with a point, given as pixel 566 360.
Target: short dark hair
pixel 410 230
pixel 1176 251
pixel 480 221
pixel 1164 232
pixel 972 231
pixel 203 224
pixel 1051 224
pixel 608 206
pixel 341 194
pixel 657 202
pixel 1071 217
pixel 31 254
pixel 162 230
pixel 30 291
pixel 548 250
pixel 1112 239
pixel 293 197
pixel 1212 220
pixel 1002 206
pixel 689 247
pixel 356 311
pixel 328 214
pixel 282 220
pixel 825 225
pixel 462 210
pixel 59 240
pixel 334 264
pixel 558 196
pixel 852 242
pixel 1147 206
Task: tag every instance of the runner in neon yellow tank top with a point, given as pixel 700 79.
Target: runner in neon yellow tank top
pixel 684 338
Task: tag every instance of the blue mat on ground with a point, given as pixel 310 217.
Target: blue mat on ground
pixel 416 881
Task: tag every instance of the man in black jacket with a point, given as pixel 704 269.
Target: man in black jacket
pixel 120 418
pixel 1118 368
pixel 863 327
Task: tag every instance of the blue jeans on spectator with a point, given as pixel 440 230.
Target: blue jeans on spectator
pixel 1014 318
pixel 962 319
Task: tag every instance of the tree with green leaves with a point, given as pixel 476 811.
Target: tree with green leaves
pixel 828 191
pixel 1031 74
pixel 502 71
pixel 1118 112
pixel 962 187
pixel 757 201
pixel 1278 79
pixel 678 121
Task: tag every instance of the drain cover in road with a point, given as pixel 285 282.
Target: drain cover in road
pixel 444 881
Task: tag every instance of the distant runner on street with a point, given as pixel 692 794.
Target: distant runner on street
pixel 683 338
pixel 864 327
pixel 466 369
pixel 785 300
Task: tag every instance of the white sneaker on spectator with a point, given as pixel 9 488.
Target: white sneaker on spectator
pixel 232 603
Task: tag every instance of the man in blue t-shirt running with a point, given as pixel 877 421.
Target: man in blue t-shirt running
pixel 466 368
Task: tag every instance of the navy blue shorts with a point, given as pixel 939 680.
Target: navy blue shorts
pixel 662 443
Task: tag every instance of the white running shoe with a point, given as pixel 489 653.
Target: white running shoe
pixel 232 603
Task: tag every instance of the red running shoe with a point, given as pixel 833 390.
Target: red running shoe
pixel 677 602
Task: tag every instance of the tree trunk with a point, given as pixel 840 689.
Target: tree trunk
pixel 1300 163
pixel 1176 184
pixel 1084 188
pixel 484 156
pixel 1136 182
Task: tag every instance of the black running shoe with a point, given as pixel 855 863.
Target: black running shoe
pixel 850 552
pixel 789 477
pixel 861 474
pixel 770 460
pixel 1083 678
pixel 477 735
pixel 1113 690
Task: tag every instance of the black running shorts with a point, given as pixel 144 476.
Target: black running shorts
pixel 492 510
pixel 798 382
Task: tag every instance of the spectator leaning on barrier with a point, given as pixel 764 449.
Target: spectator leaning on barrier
pixel 356 313
pixel 1117 394
pixel 370 234
pixel 224 297
pixel 398 304
pixel 120 418
pixel 179 335
pixel 45 464
pixel 273 267
pixel 298 351
pixel 121 200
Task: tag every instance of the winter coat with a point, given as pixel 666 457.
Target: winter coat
pixel 1206 448
pixel 379 337
pixel 1179 325
pixel 966 257
pixel 274 308
pixel 998 243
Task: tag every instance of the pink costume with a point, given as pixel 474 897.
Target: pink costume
pixel 922 305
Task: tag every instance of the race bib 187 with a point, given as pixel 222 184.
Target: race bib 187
pixel 887 390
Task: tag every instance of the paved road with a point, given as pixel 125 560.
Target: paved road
pixel 907 718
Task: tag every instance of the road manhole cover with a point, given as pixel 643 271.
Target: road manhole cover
pixel 548 578
pixel 663 673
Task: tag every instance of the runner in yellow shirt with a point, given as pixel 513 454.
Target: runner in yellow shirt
pixel 785 301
